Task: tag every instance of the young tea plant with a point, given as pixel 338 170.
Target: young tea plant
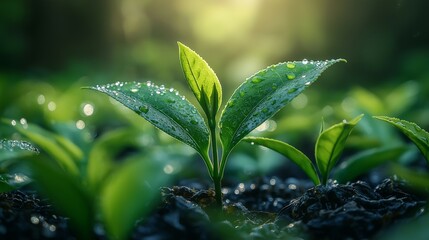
pixel 329 146
pixel 253 102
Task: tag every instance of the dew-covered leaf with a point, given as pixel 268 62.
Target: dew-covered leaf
pixel 61 149
pixel 165 109
pixel 129 194
pixel 264 94
pixel 290 152
pixel 201 79
pixel 364 161
pixel 330 144
pixel 16 148
pixel 414 132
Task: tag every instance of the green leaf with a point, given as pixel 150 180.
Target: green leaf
pixel 60 148
pixel 102 155
pixel 9 182
pixel 330 144
pixel 165 109
pixel 415 133
pixel 291 153
pixel 364 161
pixel 129 194
pixel 15 148
pixel 264 94
pixel 66 193
pixel 201 79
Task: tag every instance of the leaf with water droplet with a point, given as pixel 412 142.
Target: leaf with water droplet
pixel 64 151
pixel 202 80
pixel 330 144
pixel 290 152
pixel 241 119
pixel 414 132
pixel 167 111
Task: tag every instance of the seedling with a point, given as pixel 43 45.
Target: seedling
pixel 253 102
pixel 329 146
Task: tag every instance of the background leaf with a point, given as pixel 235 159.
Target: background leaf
pixel 165 109
pixel 415 133
pixel 263 94
pixel 130 193
pixel 291 153
pixel 364 161
pixel 59 148
pixel 66 193
pixel 330 145
pixel 202 80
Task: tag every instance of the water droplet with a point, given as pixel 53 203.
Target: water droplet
pixel 344 121
pixel 252 143
pixel 290 65
pixel 134 90
pixel 304 61
pixel 13 122
pixel 41 99
pixel 52 106
pixel 292 90
pixel 144 109
pixel 290 76
pixel 256 80
pixel 88 109
pixel 24 123
pixel 193 121
pixel 274 86
pixel 80 124
pixel 171 90
pixel 307 83
pixel 171 100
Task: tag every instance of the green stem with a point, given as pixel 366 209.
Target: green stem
pixel 217 179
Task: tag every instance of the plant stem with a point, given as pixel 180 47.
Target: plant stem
pixel 217 178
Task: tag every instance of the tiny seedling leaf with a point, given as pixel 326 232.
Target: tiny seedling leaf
pixel 291 153
pixel 201 79
pixel 414 132
pixel 264 94
pixel 165 109
pixel 330 144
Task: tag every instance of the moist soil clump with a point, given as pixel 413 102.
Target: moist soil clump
pixel 270 208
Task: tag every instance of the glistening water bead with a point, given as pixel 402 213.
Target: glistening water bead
pixel 144 109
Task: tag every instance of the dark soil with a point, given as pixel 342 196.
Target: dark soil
pixel 270 208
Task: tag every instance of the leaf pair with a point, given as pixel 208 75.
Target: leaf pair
pixel 329 146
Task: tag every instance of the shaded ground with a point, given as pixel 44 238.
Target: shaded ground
pixel 269 208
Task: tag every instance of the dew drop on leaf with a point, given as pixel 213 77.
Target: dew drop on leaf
pixel 290 76
pixel 256 80
pixel 290 65
pixel 144 109
pixel 292 90
pixel 304 61
pixel 134 90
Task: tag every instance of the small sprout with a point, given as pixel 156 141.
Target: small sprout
pixel 329 147
pixel 251 105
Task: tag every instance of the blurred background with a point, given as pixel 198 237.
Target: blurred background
pixel 50 49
